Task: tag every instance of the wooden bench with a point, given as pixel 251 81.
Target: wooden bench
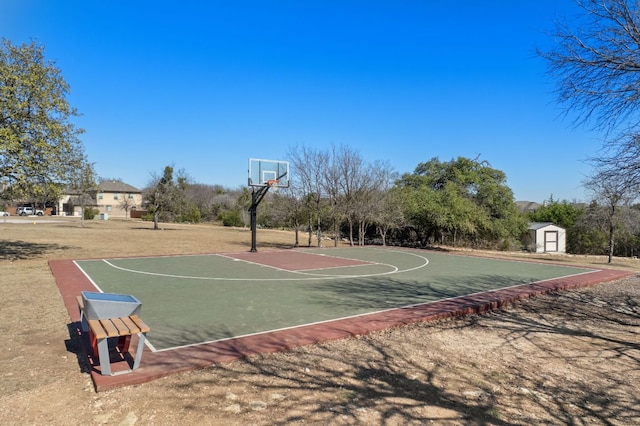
pixel 100 331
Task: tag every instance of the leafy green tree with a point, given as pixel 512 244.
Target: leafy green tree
pixel 39 145
pixel 165 197
pixel 461 200
pixel 588 236
pixel 560 213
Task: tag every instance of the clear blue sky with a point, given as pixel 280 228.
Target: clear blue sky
pixel 205 85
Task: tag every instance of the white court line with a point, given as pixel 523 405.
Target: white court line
pixel 414 305
pixel 88 277
pixel 426 262
pixel 394 269
pixel 308 275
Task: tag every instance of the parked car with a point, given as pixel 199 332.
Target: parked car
pixel 4 214
pixel 28 211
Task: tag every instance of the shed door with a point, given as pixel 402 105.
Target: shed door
pixel 550 241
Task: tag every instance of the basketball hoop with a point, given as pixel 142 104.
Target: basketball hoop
pixel 264 175
pixel 272 183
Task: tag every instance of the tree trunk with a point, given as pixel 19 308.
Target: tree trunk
pixel 319 232
pixel 362 229
pixel 350 232
pixel 611 231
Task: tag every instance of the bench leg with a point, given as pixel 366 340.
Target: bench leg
pixel 103 355
pixel 141 339
pixel 84 326
pixel 123 343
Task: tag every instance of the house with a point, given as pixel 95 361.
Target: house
pixel 527 206
pixel 545 237
pixel 112 199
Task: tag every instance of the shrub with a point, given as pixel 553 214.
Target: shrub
pixel 231 218
pixel 192 215
pixel 90 213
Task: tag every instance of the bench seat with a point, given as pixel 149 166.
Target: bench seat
pixel 100 331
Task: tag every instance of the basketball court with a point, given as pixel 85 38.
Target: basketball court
pixel 212 308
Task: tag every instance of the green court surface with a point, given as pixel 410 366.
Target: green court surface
pixel 188 300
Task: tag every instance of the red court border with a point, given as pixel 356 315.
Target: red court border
pixel 71 281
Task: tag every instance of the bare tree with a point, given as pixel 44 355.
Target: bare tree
pixel 340 185
pixel 83 183
pixel 126 204
pixel 613 195
pixel 332 187
pixel 243 202
pixel 389 214
pixel 388 210
pixel 596 62
pixel 621 161
pixel 355 187
pixel 308 165
pixel 289 207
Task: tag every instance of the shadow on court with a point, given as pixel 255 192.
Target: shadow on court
pixel 399 379
pixel 385 292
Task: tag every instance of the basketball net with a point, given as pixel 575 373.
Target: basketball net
pixel 271 183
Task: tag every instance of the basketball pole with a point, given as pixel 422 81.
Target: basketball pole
pixel 256 197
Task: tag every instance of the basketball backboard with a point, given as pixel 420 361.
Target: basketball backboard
pixel 272 173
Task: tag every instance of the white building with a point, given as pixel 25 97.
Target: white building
pixel 545 237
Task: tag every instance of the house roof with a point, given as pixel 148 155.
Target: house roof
pixel 116 186
pixel 77 200
pixel 528 206
pixel 539 225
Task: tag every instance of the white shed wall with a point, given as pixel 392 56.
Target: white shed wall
pixel 549 239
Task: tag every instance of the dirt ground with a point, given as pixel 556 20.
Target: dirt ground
pixel 565 358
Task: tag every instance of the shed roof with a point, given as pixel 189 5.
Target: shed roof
pixel 540 225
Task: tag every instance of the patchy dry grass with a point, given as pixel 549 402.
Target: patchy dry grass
pixel 565 358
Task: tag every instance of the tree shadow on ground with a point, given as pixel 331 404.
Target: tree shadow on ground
pixel 374 379
pixel 22 250
pixel 574 313
pixel 585 333
pixel 385 379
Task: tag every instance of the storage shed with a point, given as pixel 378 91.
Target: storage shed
pixel 545 237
